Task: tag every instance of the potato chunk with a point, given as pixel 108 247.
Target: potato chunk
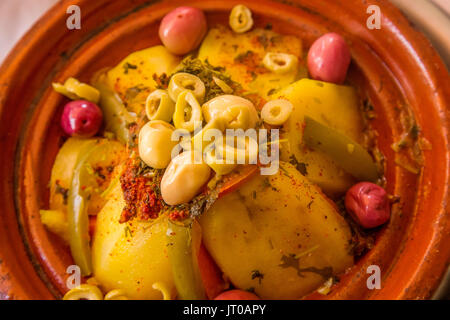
pixel 133 78
pixel 130 256
pixel 332 105
pixel 278 235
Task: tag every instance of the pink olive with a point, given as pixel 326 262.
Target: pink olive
pixel 368 204
pixel 182 29
pixel 236 295
pixel 81 119
pixel 329 58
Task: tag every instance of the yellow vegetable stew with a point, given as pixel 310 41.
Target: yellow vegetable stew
pixel 143 224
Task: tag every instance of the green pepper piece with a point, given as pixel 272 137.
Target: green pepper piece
pixel 116 116
pixel 181 246
pixel 350 155
pixel 77 209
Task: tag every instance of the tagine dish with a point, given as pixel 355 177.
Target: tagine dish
pixel 228 162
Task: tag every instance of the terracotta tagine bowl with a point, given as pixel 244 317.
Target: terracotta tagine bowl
pixel 394 67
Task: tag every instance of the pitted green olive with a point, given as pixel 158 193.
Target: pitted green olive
pixel 216 161
pixel 237 149
pixel 159 106
pixel 280 62
pixel 84 292
pixel 237 107
pixel 188 113
pixel 155 143
pixel 184 178
pixel 240 19
pixel 276 112
pixel 185 81
pixel 116 294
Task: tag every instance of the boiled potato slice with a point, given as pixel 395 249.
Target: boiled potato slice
pixel 242 56
pixel 332 105
pixel 278 235
pixel 133 78
pixel 130 256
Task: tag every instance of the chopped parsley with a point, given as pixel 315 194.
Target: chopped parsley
pixel 301 166
pixel 292 261
pixel 127 66
pixel 256 274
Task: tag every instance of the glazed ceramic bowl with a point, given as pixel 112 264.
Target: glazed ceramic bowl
pixel 394 67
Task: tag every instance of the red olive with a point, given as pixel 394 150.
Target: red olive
pixel 236 295
pixel 368 204
pixel 182 29
pixel 329 58
pixel 81 119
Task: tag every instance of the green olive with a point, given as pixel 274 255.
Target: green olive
pixel 240 19
pixel 116 294
pixel 188 107
pixel 240 112
pixel 280 62
pixel 186 81
pixel 159 106
pixel 276 112
pixel 76 90
pixel 155 143
pixel 84 292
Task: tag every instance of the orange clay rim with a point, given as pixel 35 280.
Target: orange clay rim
pixel 395 66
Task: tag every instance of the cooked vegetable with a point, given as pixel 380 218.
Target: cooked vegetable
pixel 56 222
pixel 163 289
pixel 79 195
pixel 136 76
pixel 184 177
pixel 217 162
pixel 182 81
pixel 329 58
pixel 188 113
pixel 159 106
pixel 76 90
pixel 84 292
pixel 130 256
pixel 155 143
pixel 101 168
pixel 351 156
pixel 276 112
pixel 223 85
pixel 237 295
pixel 116 294
pixel 81 119
pixel 182 29
pixel 212 277
pixel 277 234
pixel 241 19
pixel 242 55
pixel 334 106
pixel 116 116
pixel 183 243
pixel 280 62
pixel 368 204
pixel 237 149
pixel 240 112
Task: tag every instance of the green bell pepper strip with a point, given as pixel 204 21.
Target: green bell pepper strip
pixel 350 155
pixel 115 114
pixel 77 215
pixel 182 245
